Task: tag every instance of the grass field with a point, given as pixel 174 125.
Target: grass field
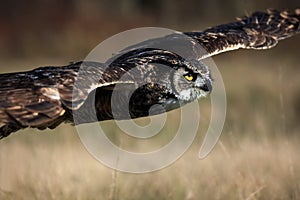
pixel 256 158
pixel 250 170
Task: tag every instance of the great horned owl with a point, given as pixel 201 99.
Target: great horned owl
pixel 47 96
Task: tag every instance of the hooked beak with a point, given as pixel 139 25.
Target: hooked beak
pixel 206 85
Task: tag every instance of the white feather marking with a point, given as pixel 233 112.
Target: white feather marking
pixel 52 93
pixel 224 49
pixel 95 86
pixel 185 95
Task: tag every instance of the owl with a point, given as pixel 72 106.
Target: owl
pixel 140 81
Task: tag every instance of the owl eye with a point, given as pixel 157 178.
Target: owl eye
pixel 190 77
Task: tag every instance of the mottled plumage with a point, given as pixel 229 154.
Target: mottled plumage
pixel 138 78
pixel 261 30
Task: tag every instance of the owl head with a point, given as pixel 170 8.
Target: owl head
pixel 165 78
pixel 191 81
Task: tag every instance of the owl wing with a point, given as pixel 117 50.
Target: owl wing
pixel 40 98
pixel 28 107
pixel 261 30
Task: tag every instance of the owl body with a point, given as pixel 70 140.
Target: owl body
pixel 140 81
pixel 86 92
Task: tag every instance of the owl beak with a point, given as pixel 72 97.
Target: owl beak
pixel 206 87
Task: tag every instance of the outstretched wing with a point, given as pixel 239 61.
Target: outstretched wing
pixel 28 107
pixel 41 97
pixel 261 30
pixel 21 107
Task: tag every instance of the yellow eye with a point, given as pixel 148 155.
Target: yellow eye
pixel 189 77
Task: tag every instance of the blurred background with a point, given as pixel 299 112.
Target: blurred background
pixel 257 156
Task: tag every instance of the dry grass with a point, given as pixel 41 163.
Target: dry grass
pixel 249 169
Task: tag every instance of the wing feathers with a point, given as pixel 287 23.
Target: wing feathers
pixel 261 30
pixel 29 107
pixel 40 98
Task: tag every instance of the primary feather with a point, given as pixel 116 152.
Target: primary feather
pixel 261 30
